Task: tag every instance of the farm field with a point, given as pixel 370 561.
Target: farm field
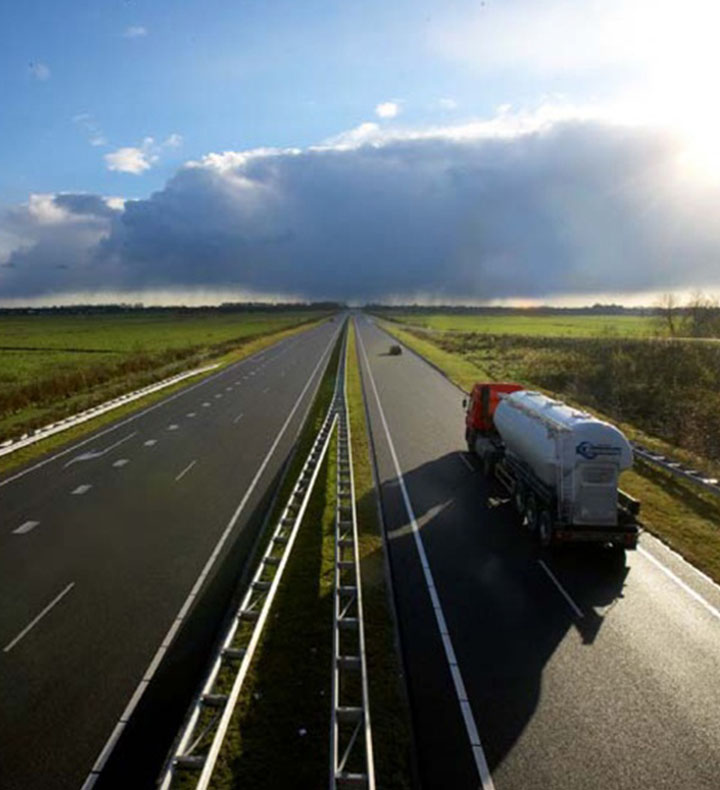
pixel 54 365
pixel 554 325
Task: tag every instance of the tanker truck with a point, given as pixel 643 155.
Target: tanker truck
pixel 559 465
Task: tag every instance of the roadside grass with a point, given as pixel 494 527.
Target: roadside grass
pixel 680 514
pixel 53 366
pixel 389 709
pixel 247 348
pixel 530 322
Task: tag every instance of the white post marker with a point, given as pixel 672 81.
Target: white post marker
pixel 460 692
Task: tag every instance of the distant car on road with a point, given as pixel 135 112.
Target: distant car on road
pixel 395 350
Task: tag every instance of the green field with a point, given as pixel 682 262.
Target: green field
pixel 55 365
pixel 554 325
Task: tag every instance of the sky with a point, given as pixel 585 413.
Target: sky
pixel 504 151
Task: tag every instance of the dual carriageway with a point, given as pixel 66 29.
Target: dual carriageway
pixel 523 670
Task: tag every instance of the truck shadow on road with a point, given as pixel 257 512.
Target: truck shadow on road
pixel 508 607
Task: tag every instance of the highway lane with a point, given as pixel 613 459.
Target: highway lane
pixel 122 528
pixel 580 671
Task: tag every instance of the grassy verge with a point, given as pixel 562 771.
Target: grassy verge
pixel 57 441
pixel 680 514
pixel 57 366
pixel 389 711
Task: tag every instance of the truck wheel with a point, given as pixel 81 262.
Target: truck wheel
pixel 531 513
pixel 545 528
pixel 519 497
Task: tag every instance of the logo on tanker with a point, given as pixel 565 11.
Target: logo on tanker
pixel 590 451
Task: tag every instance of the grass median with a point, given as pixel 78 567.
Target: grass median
pixel 280 731
pixel 389 709
pixel 682 515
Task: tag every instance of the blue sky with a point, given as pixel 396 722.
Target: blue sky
pixel 113 99
pixel 224 76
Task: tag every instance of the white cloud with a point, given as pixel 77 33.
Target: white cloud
pixel 365 134
pixel 138 159
pixel 135 31
pixel 447 104
pixel 387 109
pixel 133 160
pixel 40 71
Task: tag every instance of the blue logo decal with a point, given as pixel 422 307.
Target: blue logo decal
pixel 591 451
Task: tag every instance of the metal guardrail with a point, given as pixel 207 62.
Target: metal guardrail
pixel 212 711
pixel 196 751
pixel 351 753
pixel 711 484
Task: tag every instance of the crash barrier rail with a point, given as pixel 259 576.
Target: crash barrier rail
pixel 38 434
pixel 198 746
pixel 676 468
pixel 351 754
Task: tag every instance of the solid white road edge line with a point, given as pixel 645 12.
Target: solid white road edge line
pixel 55 601
pixel 680 583
pixel 654 539
pixel 186 470
pixel 462 698
pixel 141 413
pixel 565 594
pixel 94 774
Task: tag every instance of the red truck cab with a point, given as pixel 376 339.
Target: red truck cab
pixel 482 403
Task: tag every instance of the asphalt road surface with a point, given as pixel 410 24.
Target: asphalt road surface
pixel 566 669
pixel 107 550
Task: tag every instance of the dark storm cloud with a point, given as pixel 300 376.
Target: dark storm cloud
pixel 579 207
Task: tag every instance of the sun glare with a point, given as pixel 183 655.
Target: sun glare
pixel 678 47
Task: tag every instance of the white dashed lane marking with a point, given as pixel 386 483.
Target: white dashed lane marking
pixel 173 427
pixel 206 404
pixel 121 462
pixel 218 395
pixel 83 489
pixel 191 414
pixel 26 527
pixel 55 601
pixel 238 418
pixel 150 442
pixel 185 470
